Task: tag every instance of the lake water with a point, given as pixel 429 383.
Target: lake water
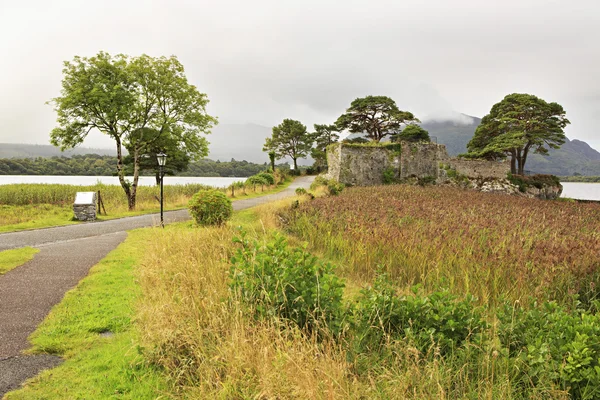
pixel 113 180
pixel 574 190
pixel 581 191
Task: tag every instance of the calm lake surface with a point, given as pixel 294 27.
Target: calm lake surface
pixel 574 190
pixel 113 180
pixel 581 191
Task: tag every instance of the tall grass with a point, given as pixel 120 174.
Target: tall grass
pixel 493 246
pixel 197 332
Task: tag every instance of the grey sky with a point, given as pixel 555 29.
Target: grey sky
pixel 262 61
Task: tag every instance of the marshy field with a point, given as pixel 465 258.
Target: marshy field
pixel 387 292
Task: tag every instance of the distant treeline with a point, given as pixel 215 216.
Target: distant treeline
pixel 579 178
pixel 97 165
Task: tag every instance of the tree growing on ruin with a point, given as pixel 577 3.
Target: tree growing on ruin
pixel 515 127
pixel 122 97
pixel 376 116
pixel 412 133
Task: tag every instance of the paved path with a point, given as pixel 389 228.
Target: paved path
pixel 28 293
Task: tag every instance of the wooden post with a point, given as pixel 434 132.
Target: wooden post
pixel 101 203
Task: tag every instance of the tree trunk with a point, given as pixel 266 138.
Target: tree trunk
pixel 523 160
pixel 513 162
pixel 121 171
pixel 136 176
pixel 295 165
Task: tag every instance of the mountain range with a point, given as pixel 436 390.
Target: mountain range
pixel 245 142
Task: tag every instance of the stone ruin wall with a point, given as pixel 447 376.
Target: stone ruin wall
pixel 480 168
pixel 365 165
pixel 360 165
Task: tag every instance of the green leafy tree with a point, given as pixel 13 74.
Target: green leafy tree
pixel 516 126
pixel 412 133
pixel 377 116
pixel 289 139
pixel 121 96
pixel 323 136
pixel 179 157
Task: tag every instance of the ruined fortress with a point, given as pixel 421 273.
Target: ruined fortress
pixel 365 165
pixel 368 165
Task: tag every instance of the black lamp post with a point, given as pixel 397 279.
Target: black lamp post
pixel 162 160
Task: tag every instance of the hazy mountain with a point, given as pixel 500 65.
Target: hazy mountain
pixel 574 157
pixel 14 150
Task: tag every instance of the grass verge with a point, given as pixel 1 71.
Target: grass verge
pixel 10 259
pixel 92 329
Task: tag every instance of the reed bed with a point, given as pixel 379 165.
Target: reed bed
pixel 493 246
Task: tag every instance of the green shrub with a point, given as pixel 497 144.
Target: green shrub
pixel 537 181
pixel 269 178
pixel 426 180
pixel 301 191
pixel 290 283
pixel 256 180
pixel 551 343
pixel 389 176
pixel 210 207
pixel 333 186
pixel 439 319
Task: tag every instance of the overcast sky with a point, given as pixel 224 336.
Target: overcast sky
pixel 261 61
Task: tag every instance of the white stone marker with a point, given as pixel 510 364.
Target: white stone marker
pixel 84 206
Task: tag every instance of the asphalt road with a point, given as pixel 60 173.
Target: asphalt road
pixel 28 292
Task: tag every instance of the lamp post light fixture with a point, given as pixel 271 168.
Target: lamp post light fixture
pixel 162 160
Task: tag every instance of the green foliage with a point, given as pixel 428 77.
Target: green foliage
pixel 377 116
pixel 210 207
pixel 426 180
pixel 334 187
pixel 439 319
pixel 256 180
pixel 520 123
pixel 550 342
pixel 289 139
pixel 389 176
pixel 301 191
pixel 290 283
pixel 96 165
pixel 537 181
pixel 135 101
pixel 269 178
pixel 178 155
pixel 412 133
pixel 272 160
pixel 356 140
pixel 323 136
